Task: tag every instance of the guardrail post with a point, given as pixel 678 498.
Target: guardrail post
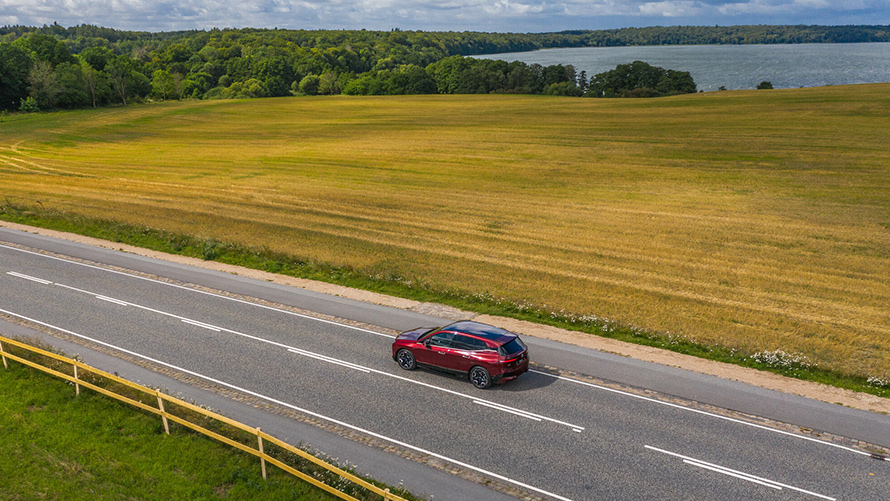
pixel 5 365
pixel 76 384
pixel 386 494
pixel 262 459
pixel 163 412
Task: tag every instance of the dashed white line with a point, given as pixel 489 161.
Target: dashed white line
pixel 203 325
pixel 324 358
pixel 390 336
pixel 704 413
pixel 732 474
pixel 28 277
pixel 220 296
pixel 112 300
pixel 526 415
pixel 735 473
pixel 318 356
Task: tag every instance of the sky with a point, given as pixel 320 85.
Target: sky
pixel 523 16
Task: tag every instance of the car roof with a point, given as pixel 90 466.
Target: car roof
pixel 482 330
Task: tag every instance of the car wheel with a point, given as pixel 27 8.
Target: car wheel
pixel 480 377
pixel 406 359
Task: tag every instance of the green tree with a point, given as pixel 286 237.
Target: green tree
pixel 15 64
pixel 163 86
pixel 72 86
pixel 46 48
pixel 563 89
pixel 640 79
pixel 329 84
pixel 764 85
pixel 126 81
pixel 196 84
pixel 309 85
pixel 43 85
pixel 28 105
pixel 97 57
pixel 96 84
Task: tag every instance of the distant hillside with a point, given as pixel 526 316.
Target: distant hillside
pixel 465 43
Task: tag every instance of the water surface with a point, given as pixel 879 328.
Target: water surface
pixel 734 66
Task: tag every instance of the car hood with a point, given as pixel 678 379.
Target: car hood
pixel 415 334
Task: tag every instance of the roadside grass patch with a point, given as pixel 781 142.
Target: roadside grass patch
pixel 90 447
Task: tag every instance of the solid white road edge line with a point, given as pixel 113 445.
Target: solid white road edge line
pixel 724 469
pixel 299 409
pixel 309 317
pixel 705 413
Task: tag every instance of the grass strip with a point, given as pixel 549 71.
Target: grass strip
pixel 60 446
pixel 776 362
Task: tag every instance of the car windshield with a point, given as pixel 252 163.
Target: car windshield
pixel 513 347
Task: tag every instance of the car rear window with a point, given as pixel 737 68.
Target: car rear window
pixel 513 347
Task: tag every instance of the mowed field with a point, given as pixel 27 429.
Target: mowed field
pixel 757 220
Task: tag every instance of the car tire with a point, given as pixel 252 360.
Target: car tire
pixel 406 359
pixel 480 377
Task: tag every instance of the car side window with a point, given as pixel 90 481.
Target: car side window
pixel 468 343
pixel 461 342
pixel 442 339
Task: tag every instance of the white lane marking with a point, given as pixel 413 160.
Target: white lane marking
pixel 202 325
pixel 362 368
pixel 220 296
pixel 526 415
pixel 314 355
pixel 324 358
pixel 391 337
pixel 28 277
pixel 739 474
pixel 731 474
pixel 298 409
pixel 112 300
pixel 705 413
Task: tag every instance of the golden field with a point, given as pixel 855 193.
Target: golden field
pixel 757 220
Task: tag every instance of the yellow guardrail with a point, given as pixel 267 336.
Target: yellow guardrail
pixel 78 381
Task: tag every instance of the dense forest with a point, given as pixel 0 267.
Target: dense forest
pixel 57 67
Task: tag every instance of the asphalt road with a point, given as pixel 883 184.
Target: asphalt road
pixel 553 436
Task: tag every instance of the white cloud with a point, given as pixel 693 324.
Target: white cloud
pixel 484 15
pixel 670 9
pixel 512 8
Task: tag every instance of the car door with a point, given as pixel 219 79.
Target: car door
pixel 436 350
pixel 465 352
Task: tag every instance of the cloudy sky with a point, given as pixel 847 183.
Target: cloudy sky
pixel 437 15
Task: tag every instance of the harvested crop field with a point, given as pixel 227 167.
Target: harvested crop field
pixel 757 220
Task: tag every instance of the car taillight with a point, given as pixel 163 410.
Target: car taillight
pixel 511 358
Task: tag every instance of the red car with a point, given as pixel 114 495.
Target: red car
pixel 486 354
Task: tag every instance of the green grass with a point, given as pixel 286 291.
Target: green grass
pixel 59 445
pixel 89 447
pixel 739 222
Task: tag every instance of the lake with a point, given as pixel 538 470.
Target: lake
pixel 733 66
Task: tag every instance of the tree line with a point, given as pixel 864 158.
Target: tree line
pixel 81 66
